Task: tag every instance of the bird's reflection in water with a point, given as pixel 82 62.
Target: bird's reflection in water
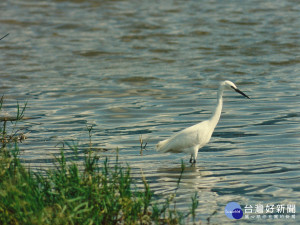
pixel 189 177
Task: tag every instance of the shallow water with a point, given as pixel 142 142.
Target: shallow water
pixel 132 68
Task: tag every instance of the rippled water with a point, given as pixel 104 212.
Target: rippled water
pixel 132 68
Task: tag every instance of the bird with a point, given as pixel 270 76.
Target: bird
pixel 191 139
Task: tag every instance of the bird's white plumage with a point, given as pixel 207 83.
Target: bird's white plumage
pixel 185 139
pixel 191 139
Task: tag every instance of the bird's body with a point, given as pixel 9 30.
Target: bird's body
pixel 191 139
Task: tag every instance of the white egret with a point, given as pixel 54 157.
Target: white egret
pixel 191 139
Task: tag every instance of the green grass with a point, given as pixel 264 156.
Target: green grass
pixel 85 191
pixel 98 193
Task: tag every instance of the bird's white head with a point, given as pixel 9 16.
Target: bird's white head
pixel 230 84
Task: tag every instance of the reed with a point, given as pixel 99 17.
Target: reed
pixel 9 131
pixel 100 193
pixel 90 190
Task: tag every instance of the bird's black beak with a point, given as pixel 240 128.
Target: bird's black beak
pixel 240 92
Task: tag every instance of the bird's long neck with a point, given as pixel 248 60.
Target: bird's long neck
pixel 217 113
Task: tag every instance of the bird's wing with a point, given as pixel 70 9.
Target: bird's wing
pixel 184 139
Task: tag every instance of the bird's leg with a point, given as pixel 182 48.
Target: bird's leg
pixel 192 160
pixel 194 155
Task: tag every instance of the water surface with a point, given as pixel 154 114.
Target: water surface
pixel 132 68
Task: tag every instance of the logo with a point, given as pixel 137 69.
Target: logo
pixel 233 211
